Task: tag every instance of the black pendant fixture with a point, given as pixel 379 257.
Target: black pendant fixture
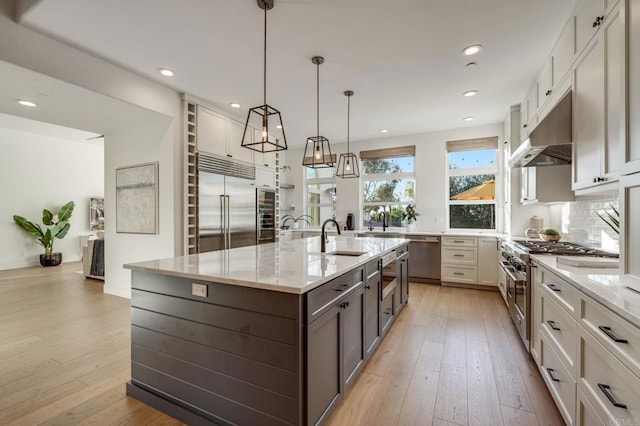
pixel 271 136
pixel 317 153
pixel 348 163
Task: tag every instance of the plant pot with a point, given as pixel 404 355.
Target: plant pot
pixel 54 259
pixel 411 227
pixel 295 225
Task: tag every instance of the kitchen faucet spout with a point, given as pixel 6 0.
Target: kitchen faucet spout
pixel 323 237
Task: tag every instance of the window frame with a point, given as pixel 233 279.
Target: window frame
pixel 308 206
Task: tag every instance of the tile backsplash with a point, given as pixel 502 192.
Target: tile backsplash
pixel 579 222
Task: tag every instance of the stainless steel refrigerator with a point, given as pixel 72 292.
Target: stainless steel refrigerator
pixel 226 209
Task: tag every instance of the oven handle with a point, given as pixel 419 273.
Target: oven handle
pixel 510 274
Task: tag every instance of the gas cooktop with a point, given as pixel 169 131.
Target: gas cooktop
pixel 560 248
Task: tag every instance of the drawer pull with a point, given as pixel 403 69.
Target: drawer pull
pixel 458 273
pixel 553 287
pixel 550 372
pixel 458 241
pixel 553 325
pixel 606 390
pixel 458 255
pixel 607 331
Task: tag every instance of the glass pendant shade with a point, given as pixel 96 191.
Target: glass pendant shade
pixel 317 153
pixel 264 131
pixel 348 166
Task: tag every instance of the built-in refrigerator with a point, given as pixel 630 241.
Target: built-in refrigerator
pixel 226 204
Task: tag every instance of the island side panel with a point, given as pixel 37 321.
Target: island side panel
pixel 233 356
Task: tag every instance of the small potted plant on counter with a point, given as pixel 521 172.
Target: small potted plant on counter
pixel 549 234
pixel 302 218
pixel 57 226
pixel 411 216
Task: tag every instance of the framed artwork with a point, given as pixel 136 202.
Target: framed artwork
pixel 96 214
pixel 137 199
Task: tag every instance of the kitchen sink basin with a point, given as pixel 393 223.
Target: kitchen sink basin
pixel 345 253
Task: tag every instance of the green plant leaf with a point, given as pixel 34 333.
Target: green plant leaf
pixel 47 217
pixel 29 226
pixel 62 232
pixel 66 211
pixel 47 241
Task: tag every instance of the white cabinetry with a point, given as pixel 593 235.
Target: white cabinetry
pixel 598 94
pixel 630 224
pixel 469 260
pixel 221 135
pixel 546 184
pixel 588 17
pixel 562 55
pixel 632 151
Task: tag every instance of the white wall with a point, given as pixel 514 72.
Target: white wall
pixel 40 172
pixel 430 164
pixel 157 139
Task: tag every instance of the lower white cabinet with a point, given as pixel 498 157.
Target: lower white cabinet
pixel 630 222
pixel 559 381
pixel 470 260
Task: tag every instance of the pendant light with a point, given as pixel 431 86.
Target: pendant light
pixel 271 135
pixel 317 153
pixel 348 162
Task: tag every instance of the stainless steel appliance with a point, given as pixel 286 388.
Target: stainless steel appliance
pixel 550 142
pixel 515 262
pixel 226 203
pixel 266 215
pixel 424 262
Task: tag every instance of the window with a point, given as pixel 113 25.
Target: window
pixel 472 169
pixel 321 194
pixel 388 184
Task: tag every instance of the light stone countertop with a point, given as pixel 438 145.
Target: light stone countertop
pixel 601 284
pixel 295 266
pixel 398 231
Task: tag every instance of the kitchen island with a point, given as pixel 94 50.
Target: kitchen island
pixel 271 334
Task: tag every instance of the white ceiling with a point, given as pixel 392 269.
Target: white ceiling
pixel 401 57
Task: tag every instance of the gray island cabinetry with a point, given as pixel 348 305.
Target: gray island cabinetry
pixel 266 335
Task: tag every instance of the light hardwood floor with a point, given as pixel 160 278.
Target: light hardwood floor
pixel 451 358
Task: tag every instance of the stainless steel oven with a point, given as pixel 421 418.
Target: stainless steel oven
pixel 518 292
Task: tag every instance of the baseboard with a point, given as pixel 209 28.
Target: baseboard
pixel 470 286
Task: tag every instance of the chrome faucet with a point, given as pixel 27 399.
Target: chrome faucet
pixel 323 237
pixel 384 221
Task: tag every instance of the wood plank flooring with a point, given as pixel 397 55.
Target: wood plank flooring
pixel 452 358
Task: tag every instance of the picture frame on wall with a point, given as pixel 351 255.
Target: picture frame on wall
pixel 137 199
pixel 96 214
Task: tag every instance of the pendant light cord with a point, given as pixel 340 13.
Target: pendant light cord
pixel 265 56
pixel 348 120
pixel 318 99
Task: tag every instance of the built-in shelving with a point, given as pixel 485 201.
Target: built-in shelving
pixel 191 178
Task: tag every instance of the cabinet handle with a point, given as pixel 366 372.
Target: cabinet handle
pixel 553 377
pixel 458 273
pixel 609 333
pixel 458 255
pixel 606 390
pixel 458 241
pixel 229 155
pixel 367 287
pixel 553 325
pixel 525 126
pixel 598 21
pixel 547 93
pixel 553 287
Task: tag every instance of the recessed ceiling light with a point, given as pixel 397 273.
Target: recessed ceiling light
pixel 166 72
pixel 470 93
pixel 279 126
pixel 472 50
pixel 234 105
pixel 384 130
pixel 467 119
pixel 26 103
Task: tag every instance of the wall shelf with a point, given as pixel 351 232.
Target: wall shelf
pixel 287 186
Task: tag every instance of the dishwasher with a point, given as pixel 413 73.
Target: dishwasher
pixel 424 258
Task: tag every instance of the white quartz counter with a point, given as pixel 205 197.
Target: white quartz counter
pixel 397 231
pixel 601 284
pixel 295 266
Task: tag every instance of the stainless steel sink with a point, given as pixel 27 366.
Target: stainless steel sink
pixel 346 253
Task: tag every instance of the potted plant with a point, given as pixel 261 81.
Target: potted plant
pixel 57 225
pixel 288 217
pixel 410 215
pixel 550 234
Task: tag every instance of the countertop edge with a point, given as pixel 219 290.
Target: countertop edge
pixel 139 266
pixel 550 262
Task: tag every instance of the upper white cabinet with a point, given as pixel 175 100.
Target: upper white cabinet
pixel 545 81
pixel 598 96
pixel 528 110
pixel 221 135
pixel 588 17
pixel 562 55
pixel 632 151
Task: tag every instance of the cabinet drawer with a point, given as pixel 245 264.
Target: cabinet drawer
pixel 467 256
pixel 371 269
pixel 560 383
pixel 321 299
pixel 607 327
pixel 586 415
pixel 562 292
pixel 606 382
pixel 561 331
pixel 460 241
pixel 460 274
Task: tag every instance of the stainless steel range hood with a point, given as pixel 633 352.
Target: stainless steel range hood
pixel 550 142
